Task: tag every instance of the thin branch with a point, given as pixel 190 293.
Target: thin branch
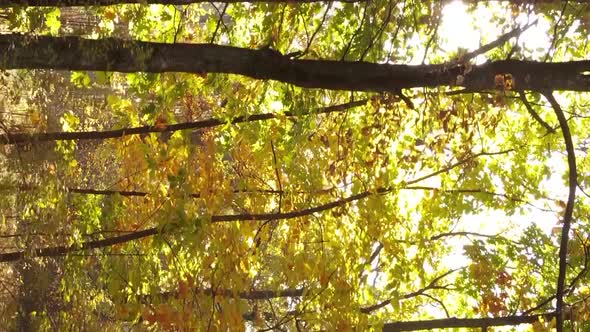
pixel 459 163
pixel 477 191
pixel 278 175
pixel 450 234
pixel 219 21
pixel 379 32
pixel 569 208
pixel 449 323
pixel 134 193
pixel 534 114
pixel 556 31
pixel 298 213
pixel 431 285
pixel 496 43
pixel 374 255
pixel 583 191
pixel 405 99
pixel 570 287
pixel 539 305
pixel 62 250
pixel 357 31
pixel 584 269
pixel 441 303
pixel 317 30
pixel 68 3
pixel 179 26
pixel 247 295
pixel 432 37
pixel 18 138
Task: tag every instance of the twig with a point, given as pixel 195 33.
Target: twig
pixel 555 27
pixel 380 32
pixel 358 30
pixel 219 21
pixel 316 30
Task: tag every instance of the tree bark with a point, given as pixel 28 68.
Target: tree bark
pixel 74 53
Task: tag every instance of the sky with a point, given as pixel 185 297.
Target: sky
pixel 462 30
pixel 459 30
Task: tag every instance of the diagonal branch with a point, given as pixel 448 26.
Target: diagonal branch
pixel 534 114
pixel 317 30
pixel 62 250
pixel 357 32
pixel 219 21
pixel 569 288
pixel 496 43
pixel 569 208
pixel 379 32
pixel 19 138
pixel 431 285
pixel 374 255
pixel 458 163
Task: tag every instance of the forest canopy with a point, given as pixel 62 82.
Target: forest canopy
pixel 294 165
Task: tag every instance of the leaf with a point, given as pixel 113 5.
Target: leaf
pixel 80 79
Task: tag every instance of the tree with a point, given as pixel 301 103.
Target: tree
pixel 123 56
pixel 294 165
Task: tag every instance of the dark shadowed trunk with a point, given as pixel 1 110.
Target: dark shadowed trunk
pixel 74 53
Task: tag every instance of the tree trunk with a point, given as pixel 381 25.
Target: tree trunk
pixel 68 3
pixel 74 53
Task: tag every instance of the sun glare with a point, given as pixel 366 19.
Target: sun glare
pixel 457 28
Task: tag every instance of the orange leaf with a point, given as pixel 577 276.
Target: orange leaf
pixel 161 123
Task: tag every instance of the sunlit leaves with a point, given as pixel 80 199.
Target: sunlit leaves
pixel 455 183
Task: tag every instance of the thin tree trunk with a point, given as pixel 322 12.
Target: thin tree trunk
pixel 19 138
pixel 68 3
pixel 74 53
